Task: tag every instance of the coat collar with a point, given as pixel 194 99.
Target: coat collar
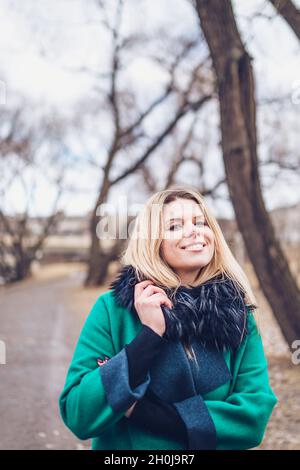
pixel 214 313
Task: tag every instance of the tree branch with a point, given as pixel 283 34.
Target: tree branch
pixel 290 13
pixel 187 107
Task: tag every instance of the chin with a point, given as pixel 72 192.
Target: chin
pixel 196 258
pixel 191 266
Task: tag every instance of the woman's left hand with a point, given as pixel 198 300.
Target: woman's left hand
pixel 130 410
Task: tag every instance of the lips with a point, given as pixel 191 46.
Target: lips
pixel 197 246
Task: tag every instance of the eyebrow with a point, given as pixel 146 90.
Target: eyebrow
pixel 200 216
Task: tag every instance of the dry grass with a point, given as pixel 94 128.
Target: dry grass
pixel 55 270
pixel 283 431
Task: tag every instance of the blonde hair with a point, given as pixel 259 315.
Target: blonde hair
pixel 144 252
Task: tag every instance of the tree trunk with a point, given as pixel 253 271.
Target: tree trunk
pixel 99 260
pixel 96 262
pixel 99 264
pixel 98 269
pixel 235 82
pixel 22 263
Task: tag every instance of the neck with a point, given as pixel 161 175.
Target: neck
pixel 187 277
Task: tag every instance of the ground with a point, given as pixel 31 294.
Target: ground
pixel 40 322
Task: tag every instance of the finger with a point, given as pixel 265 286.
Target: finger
pixel 152 289
pixel 162 299
pixel 140 286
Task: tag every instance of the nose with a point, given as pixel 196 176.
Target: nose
pixel 190 229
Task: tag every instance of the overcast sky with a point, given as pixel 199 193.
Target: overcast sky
pixel 40 40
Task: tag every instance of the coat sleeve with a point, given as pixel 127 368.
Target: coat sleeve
pixel 97 394
pixel 239 422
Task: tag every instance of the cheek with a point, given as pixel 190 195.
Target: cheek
pixel 212 250
pixel 169 248
pixel 211 238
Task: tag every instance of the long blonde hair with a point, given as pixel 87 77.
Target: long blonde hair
pixel 143 252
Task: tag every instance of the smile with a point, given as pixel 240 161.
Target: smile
pixel 194 247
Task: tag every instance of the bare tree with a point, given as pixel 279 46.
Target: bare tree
pixel 129 130
pixel 29 150
pixel 182 152
pixel 235 81
pixel 12 138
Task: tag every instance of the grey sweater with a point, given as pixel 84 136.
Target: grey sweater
pixel 151 412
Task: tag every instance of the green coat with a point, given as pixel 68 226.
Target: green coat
pixel 232 410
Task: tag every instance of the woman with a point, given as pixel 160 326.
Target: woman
pixel 170 356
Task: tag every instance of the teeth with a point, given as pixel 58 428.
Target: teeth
pixel 196 246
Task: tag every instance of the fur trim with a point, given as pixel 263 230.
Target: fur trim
pixel 214 313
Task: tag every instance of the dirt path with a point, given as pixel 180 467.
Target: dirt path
pixel 40 336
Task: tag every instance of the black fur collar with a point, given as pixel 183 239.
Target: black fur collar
pixel 214 313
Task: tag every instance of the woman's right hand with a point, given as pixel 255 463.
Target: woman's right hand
pixel 148 299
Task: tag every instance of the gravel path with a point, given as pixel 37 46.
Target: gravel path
pixel 40 336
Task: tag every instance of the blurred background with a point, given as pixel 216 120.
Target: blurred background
pixel 103 103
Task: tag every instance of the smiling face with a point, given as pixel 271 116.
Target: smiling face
pixel 188 242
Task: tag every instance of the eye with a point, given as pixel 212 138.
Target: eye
pixel 173 226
